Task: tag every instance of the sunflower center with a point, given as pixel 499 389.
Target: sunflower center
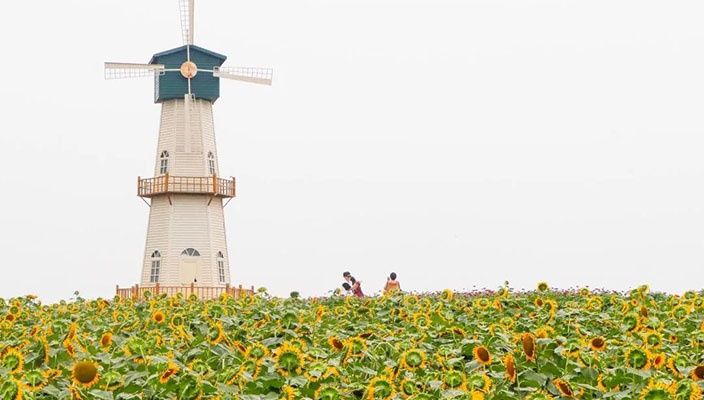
pixel 637 359
pixel 289 361
pixel 414 359
pixel 85 371
pixel 453 379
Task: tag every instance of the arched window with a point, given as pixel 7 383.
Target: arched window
pixel 221 267
pixel 191 252
pixel 164 162
pixel 211 163
pixel 156 266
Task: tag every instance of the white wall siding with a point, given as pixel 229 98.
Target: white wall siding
pixel 181 221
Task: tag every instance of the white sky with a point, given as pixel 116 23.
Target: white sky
pixel 459 143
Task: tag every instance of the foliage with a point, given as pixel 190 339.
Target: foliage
pixel 497 345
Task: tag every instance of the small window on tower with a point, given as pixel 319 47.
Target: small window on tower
pixel 164 162
pixel 221 267
pixel 191 252
pixel 211 163
pixel 156 267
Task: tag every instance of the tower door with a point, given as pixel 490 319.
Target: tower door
pixel 190 271
pixel 190 267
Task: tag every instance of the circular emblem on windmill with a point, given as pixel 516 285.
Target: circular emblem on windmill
pixel 189 69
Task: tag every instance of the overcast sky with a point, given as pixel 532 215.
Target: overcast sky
pixel 460 144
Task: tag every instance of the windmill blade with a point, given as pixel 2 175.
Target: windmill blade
pixel 186 12
pixel 115 70
pixel 261 76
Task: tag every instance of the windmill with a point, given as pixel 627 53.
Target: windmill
pixel 186 241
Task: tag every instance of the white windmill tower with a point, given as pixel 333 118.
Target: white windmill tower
pixel 186 243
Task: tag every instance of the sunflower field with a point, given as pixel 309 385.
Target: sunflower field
pixel 541 344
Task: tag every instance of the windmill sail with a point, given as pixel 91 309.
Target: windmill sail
pixel 247 74
pixel 114 70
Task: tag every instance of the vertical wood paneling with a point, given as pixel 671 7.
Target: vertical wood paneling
pixel 188 220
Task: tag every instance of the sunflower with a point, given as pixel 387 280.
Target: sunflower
pixel 158 316
pixel 326 392
pixel 659 360
pixel 458 331
pixel 455 380
pixel 288 393
pixel 85 373
pixel 676 363
pixel 170 371
pixel 13 360
pixel 215 333
pixel 200 367
pixel 315 371
pixel 256 352
pixel 543 287
pixel 688 390
pixel 34 380
pixel 482 303
pixel 653 339
pixel 481 382
pixel 507 322
pixel 637 358
pixel 528 344
pixel 356 347
pixel 597 343
pixel 552 307
pixel 380 388
pixel 336 343
pixel 289 359
pixel 657 391
pixel 482 355
pixel 541 395
pixel 631 322
pixel 408 387
pixel 584 292
pixel 538 302
pixel 106 339
pixel 476 395
pixel 412 359
pixel 545 332
pixel 11 389
pixel 75 394
pixel 594 303
pixel 319 312
pixel 563 387
pixel 447 294
pixel 510 364
pixel 410 300
pixel 680 312
pixel 698 373
pixel 605 383
pixel 421 320
pixel 250 367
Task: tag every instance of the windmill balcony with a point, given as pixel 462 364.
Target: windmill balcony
pixel 166 184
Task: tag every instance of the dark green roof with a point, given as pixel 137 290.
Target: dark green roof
pixel 183 48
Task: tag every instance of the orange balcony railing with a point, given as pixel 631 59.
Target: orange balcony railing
pixel 203 292
pixel 185 184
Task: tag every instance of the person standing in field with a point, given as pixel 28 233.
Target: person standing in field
pixel 352 285
pixel 392 285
